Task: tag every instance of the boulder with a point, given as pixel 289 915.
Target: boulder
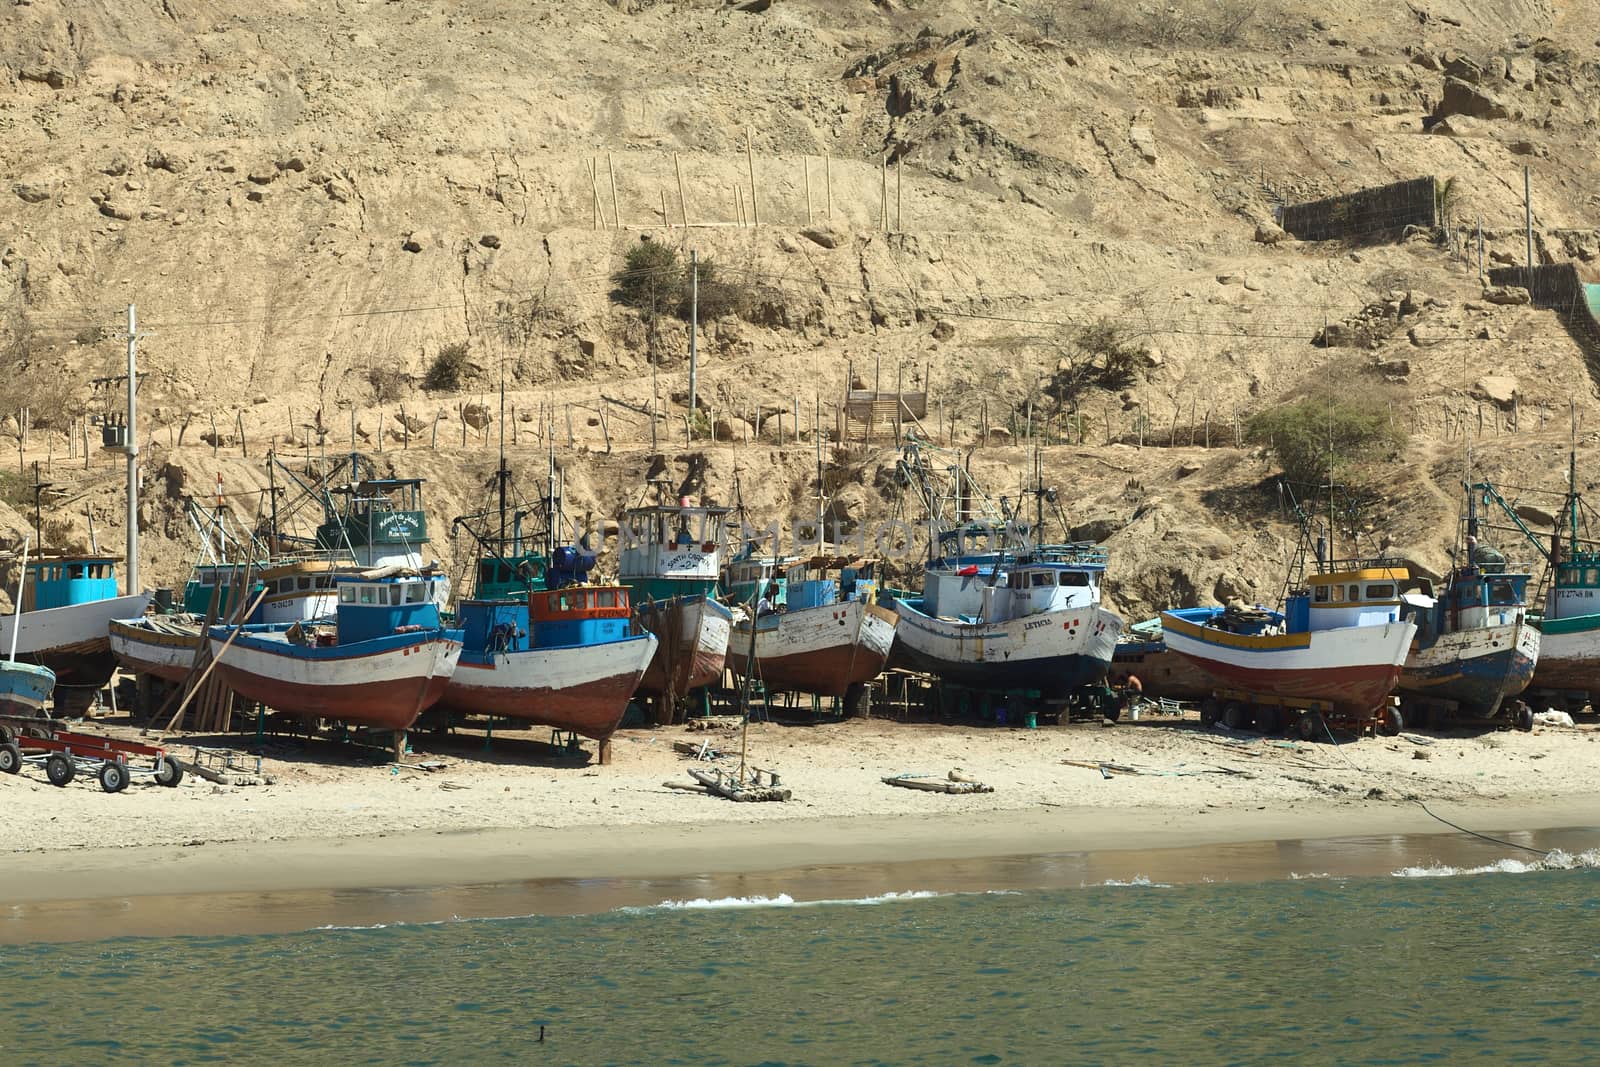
pixel 489 240
pixel 1270 233
pixel 54 77
pixel 1506 294
pixel 1143 139
pixel 730 428
pixel 1535 515
pixel 943 330
pixel 32 193
pixel 1463 98
pixel 1499 389
pixel 826 236
pixel 1522 70
pixel 415 242
pixel 172 162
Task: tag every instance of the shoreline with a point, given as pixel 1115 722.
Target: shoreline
pixel 298 884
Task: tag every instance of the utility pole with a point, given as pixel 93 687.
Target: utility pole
pixel 1480 250
pixel 694 331
pixel 132 562
pixel 1527 216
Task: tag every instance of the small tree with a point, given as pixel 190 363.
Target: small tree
pixel 651 278
pixel 1309 435
pixel 447 369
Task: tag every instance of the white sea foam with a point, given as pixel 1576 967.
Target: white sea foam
pixel 1555 860
pixel 782 900
pixel 1138 881
pixel 1297 877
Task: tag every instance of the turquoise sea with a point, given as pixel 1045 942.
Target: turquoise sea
pixel 1495 963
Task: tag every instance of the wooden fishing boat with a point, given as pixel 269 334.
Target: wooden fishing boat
pixel 1340 640
pixel 670 559
pixel 1032 621
pixel 1475 647
pixel 1142 652
pixel 67 604
pixel 385 659
pixel 826 635
pixel 563 658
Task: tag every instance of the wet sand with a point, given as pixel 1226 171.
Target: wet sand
pixel 281 886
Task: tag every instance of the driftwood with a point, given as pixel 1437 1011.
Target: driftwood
pixel 938 785
pixel 704 750
pixel 729 786
pixel 714 722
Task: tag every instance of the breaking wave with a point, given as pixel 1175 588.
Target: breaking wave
pixel 1555 860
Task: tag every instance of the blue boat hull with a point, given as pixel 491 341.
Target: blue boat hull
pixel 24 688
pixel 1476 669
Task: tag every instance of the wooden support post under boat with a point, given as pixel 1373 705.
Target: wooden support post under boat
pixel 603 753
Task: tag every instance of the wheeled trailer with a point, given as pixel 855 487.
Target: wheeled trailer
pixel 64 755
pixel 1310 720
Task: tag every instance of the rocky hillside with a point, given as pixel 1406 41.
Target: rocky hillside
pixel 311 204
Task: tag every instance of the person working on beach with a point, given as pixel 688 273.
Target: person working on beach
pixel 765 605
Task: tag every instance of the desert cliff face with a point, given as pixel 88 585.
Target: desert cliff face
pixel 309 202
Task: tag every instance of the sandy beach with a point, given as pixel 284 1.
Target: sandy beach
pixel 329 822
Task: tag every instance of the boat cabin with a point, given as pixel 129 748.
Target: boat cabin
pixel 995 587
pixel 669 551
pixel 208 577
pixel 380 521
pixel 60 581
pixel 1575 591
pixel 556 618
pixel 1363 593
pixel 1470 600
pixel 377 607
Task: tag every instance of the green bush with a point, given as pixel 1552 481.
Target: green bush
pixel 447 369
pixel 1099 354
pixel 651 278
pixel 1300 435
pixel 388 384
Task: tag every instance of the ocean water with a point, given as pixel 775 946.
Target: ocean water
pixel 1495 963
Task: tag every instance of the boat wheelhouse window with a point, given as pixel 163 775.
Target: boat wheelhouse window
pixel 286 585
pixel 1382 591
pixel 1502 592
pixel 369 595
pixel 1042 579
pixel 303 583
pixel 75 571
pixel 1014 581
pixel 606 598
pixel 1076 578
pixel 1321 595
pixel 347 594
pixel 324 581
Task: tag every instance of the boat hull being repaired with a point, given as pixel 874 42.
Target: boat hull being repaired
pixel 1569 654
pixel 1476 669
pixel 164 646
pixel 72 641
pixel 823 650
pixel 692 634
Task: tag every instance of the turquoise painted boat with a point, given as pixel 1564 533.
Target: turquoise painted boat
pixel 24 688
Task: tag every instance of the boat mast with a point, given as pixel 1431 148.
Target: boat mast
pixel 502 475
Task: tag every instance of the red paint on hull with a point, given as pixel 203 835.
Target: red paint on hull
pixel 687 671
pixel 389 705
pixel 594 709
pixel 824 671
pixel 1352 690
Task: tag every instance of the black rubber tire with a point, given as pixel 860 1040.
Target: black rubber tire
pixel 113 776
pixel 1310 726
pixel 168 772
pixel 1235 716
pixel 1209 710
pixel 10 758
pixel 1269 721
pixel 1523 717
pixel 6 736
pixel 1113 711
pixel 59 769
pixel 1390 722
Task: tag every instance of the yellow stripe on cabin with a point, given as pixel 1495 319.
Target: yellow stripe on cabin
pixel 1369 574
pixel 1215 636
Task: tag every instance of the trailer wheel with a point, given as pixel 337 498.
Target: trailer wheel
pixel 1391 722
pixel 1208 711
pixel 59 769
pixel 113 776
pixel 6 736
pixel 168 772
pixel 10 758
pixel 1269 721
pixel 1523 717
pixel 1236 716
pixel 1310 726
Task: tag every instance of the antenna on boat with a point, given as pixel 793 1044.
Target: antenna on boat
pixel 550 497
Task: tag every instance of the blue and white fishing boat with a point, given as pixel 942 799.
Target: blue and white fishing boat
pixel 541 644
pixel 385 660
pixel 1475 646
pixel 25 688
pixel 996 620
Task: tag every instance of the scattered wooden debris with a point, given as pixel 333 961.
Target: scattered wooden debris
pixel 702 751
pixel 723 784
pixel 953 783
